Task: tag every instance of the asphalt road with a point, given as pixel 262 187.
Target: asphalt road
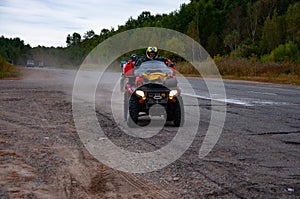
pixel 256 153
pixel 257 108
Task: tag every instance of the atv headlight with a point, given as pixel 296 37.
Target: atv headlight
pixel 172 94
pixel 140 93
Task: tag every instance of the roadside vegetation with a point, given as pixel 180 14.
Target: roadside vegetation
pixel 255 70
pixel 6 69
pixel 248 39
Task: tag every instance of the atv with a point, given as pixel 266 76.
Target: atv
pixel 152 90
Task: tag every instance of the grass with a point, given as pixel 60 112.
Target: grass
pixel 7 70
pixel 281 79
pixel 247 69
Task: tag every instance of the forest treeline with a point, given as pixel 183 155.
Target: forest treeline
pixel 261 30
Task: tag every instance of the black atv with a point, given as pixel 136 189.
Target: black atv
pixel 153 91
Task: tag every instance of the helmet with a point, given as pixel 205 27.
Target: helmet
pixel 151 52
pixel 133 57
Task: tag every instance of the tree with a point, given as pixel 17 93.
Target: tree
pixel 293 22
pixel 130 23
pixel 89 34
pixel 267 7
pixel 193 30
pixel 213 44
pixel 144 17
pixel 14 50
pixel 74 39
pixel 253 13
pixel 104 32
pixel 69 40
pixel 244 26
pixel 272 34
pixel 232 40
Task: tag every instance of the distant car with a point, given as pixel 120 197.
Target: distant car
pixel 41 64
pixel 30 63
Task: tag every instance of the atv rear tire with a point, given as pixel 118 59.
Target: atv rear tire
pixel 126 112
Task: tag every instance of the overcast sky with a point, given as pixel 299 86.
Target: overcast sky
pixel 48 22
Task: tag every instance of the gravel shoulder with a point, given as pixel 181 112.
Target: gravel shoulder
pixel 41 154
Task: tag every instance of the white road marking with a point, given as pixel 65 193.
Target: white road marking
pixel 263 93
pixel 231 101
pixel 243 102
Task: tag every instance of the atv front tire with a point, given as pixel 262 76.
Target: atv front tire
pixel 178 113
pixel 133 111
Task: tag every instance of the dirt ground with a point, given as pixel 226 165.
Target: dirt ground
pixel 42 156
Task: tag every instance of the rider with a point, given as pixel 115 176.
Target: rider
pixel 133 57
pixel 129 65
pixel 152 54
pixel 127 70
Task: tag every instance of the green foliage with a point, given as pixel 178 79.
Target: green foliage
pixel 242 28
pixel 6 69
pixel 272 34
pixel 247 49
pixel 14 50
pixel 75 39
pixel 293 22
pixel 288 52
pixel 89 34
pixel 232 40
